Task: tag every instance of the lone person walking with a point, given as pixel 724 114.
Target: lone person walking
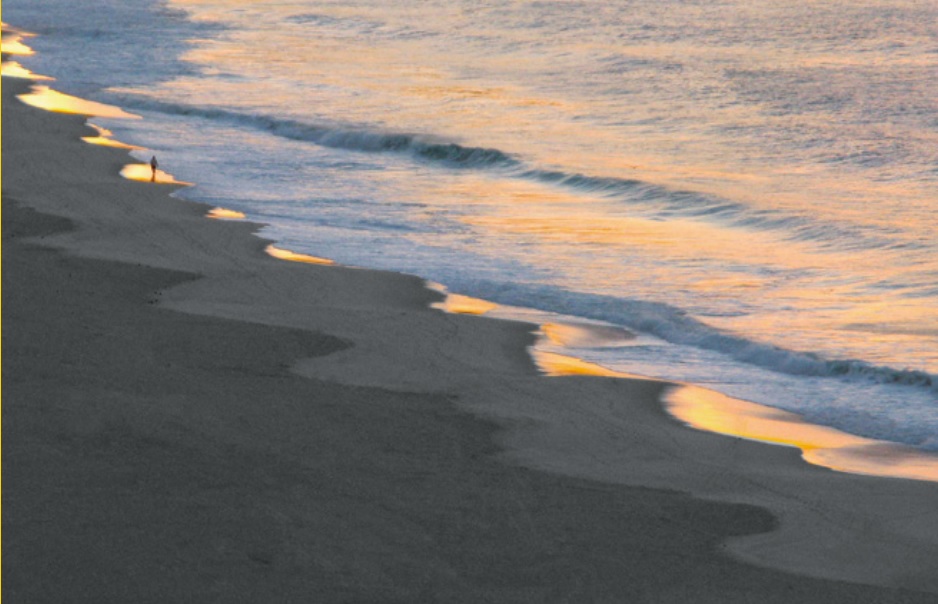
pixel 153 165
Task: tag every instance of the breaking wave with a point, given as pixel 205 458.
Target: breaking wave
pixel 655 200
pixel 677 327
pixel 419 146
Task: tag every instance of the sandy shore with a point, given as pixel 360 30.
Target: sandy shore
pixel 190 419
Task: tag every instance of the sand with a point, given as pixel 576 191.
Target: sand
pixel 187 418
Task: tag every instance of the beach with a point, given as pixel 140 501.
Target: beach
pixel 189 418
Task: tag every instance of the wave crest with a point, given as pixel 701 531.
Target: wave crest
pixel 677 327
pixel 657 200
pixel 352 139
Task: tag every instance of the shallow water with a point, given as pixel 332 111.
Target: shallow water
pixel 750 188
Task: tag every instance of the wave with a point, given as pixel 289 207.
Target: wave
pixel 656 200
pixel 677 327
pixel 419 146
pixel 664 202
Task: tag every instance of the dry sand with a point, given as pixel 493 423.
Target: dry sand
pixel 189 419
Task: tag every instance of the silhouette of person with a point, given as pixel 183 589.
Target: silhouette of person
pixel 153 165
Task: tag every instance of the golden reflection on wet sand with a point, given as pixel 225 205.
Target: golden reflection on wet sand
pixel 580 335
pixel 104 139
pixel 553 364
pixel 464 305
pixel 13 45
pixel 143 173
pixel 225 214
pixel 44 97
pixel 12 69
pixel 714 412
pixel 283 254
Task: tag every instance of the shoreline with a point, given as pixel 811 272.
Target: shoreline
pixel 690 404
pixel 378 337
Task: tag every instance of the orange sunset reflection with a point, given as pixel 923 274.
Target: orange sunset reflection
pixel 283 254
pixel 581 335
pixel 464 305
pixel 44 97
pixel 12 69
pixel 553 364
pixel 225 214
pixel 714 412
pixel 13 45
pixel 104 139
pixel 143 173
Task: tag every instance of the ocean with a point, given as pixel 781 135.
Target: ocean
pixel 748 187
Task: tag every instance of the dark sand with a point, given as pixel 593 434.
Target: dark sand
pixel 152 455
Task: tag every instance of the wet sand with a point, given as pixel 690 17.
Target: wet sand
pixel 189 418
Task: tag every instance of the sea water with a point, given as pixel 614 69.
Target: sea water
pixel 750 187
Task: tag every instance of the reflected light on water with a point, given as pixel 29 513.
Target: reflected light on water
pixel 464 305
pixel 283 254
pixel 12 69
pixel 553 364
pixel 581 335
pixel 714 412
pixel 104 139
pixel 52 100
pixel 460 304
pixel 13 45
pixel 143 173
pixel 225 214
